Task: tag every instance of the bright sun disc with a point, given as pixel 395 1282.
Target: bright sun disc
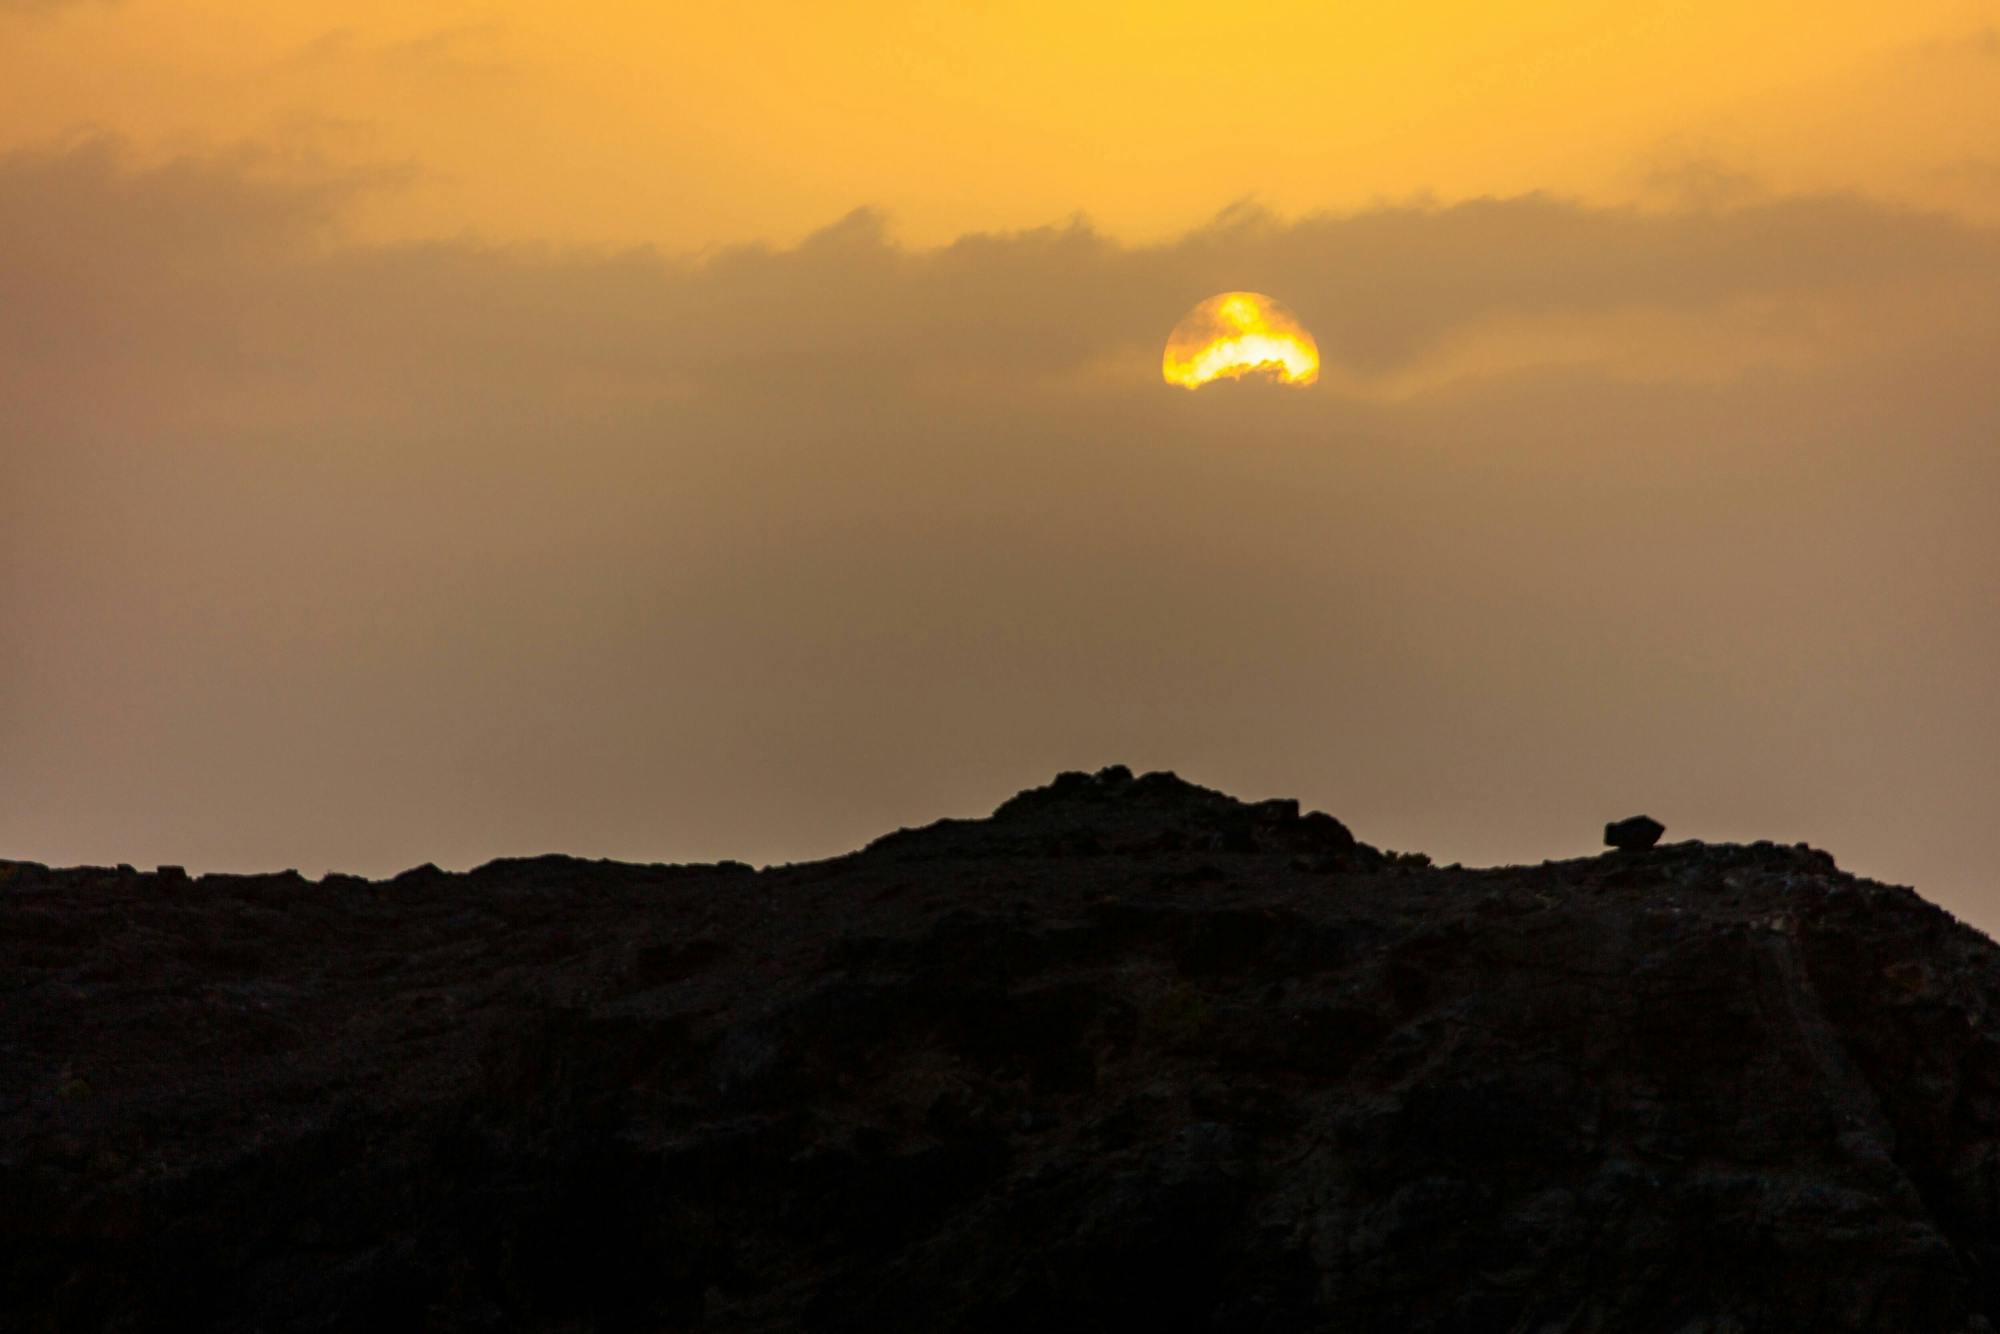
pixel 1235 334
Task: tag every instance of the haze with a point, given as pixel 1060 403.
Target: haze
pixel 435 432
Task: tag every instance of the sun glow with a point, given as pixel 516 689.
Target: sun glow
pixel 1234 334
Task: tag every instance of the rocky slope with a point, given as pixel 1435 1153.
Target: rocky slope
pixel 1127 1055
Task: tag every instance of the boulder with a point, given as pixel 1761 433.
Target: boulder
pixel 1634 834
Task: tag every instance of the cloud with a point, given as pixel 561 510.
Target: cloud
pixel 325 553
pixel 461 51
pixel 1698 178
pixel 114 255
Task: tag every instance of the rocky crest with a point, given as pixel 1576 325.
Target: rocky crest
pixel 1129 1054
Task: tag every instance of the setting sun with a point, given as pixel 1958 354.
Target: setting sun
pixel 1234 334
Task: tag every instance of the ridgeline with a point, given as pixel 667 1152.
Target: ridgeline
pixel 1128 1054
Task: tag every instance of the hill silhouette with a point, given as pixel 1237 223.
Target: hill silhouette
pixel 1128 1054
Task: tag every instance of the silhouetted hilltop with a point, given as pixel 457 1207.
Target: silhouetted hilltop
pixel 1129 1054
pixel 1111 811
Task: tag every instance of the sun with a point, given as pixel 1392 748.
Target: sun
pixel 1234 334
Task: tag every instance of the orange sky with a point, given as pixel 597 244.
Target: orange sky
pixel 689 125
pixel 433 431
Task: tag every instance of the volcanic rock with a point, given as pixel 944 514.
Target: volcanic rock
pixel 1129 1054
pixel 1634 834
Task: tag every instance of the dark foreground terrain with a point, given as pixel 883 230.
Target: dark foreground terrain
pixel 1128 1055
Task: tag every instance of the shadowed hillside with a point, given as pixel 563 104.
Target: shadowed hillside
pixel 1129 1054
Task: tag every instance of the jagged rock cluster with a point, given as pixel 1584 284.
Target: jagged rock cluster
pixel 1129 1054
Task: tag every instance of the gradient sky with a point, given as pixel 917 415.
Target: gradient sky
pixel 437 431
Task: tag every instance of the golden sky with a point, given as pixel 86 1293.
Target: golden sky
pixel 435 431
pixel 688 125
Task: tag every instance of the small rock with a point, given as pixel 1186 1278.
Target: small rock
pixel 1635 834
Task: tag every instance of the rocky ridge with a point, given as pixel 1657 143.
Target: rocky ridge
pixel 1127 1054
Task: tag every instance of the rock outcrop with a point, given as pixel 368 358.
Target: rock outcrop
pixel 1633 834
pixel 1130 1054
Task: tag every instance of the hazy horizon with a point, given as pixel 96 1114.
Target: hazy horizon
pixel 430 434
